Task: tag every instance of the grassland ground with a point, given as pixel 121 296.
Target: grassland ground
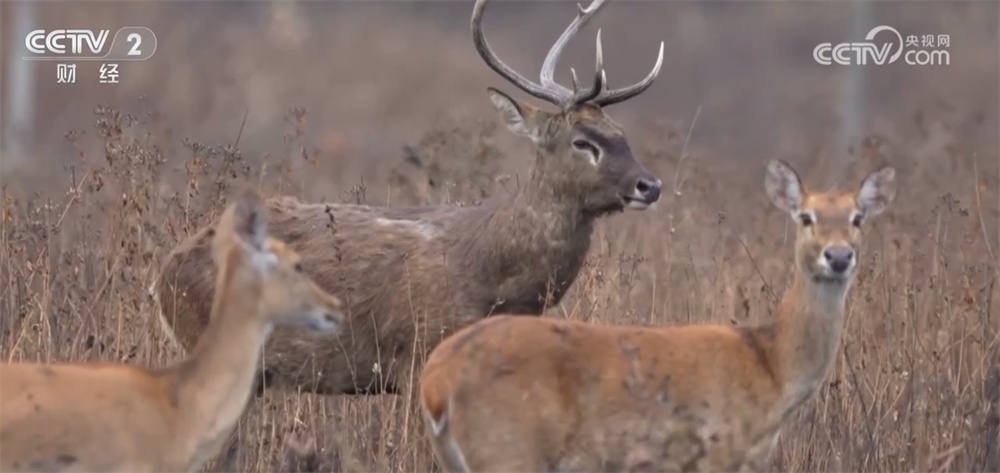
pixel 914 388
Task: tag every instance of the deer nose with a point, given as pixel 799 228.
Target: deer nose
pixel 839 257
pixel 328 321
pixel 648 189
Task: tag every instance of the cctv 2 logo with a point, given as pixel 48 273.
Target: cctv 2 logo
pixel 130 43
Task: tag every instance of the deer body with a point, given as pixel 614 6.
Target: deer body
pixel 411 275
pixel 414 263
pixel 43 428
pixel 114 417
pixel 541 394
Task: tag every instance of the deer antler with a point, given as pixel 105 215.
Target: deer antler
pixel 583 16
pixel 548 94
pixel 548 89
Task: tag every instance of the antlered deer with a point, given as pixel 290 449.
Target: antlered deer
pixel 115 417
pixel 542 394
pixel 411 275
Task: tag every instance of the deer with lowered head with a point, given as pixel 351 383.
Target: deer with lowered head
pixel 116 417
pixel 410 275
pixel 543 394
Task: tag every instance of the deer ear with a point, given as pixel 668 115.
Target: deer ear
pixel 250 221
pixel 877 192
pixel 783 186
pixel 520 118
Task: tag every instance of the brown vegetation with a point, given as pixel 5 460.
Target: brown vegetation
pixel 86 222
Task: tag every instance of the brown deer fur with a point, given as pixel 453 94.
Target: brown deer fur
pixel 542 394
pixel 411 275
pixel 115 417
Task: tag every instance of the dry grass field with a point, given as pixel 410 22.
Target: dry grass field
pixel 284 99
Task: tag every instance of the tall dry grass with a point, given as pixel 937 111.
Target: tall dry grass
pixel 916 386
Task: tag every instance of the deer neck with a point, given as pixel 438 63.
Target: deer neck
pixel 553 204
pixel 528 249
pixel 807 335
pixel 212 387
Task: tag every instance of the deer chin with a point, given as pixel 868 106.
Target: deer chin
pixel 632 203
pixel 828 276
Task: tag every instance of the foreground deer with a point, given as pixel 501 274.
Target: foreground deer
pixel 542 394
pixel 113 417
pixel 411 275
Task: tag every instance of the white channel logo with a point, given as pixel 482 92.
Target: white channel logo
pixel 926 50
pixel 130 43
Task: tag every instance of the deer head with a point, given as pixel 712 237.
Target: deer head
pixel 268 269
pixel 828 239
pixel 582 153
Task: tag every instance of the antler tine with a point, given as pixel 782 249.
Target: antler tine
pixel 600 81
pixel 600 77
pixel 583 16
pixel 482 46
pixel 618 95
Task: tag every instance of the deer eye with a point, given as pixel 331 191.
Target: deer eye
pixel 298 267
pixel 584 145
pixel 806 219
pixel 857 220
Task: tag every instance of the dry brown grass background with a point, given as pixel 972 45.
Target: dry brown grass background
pixel 338 96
